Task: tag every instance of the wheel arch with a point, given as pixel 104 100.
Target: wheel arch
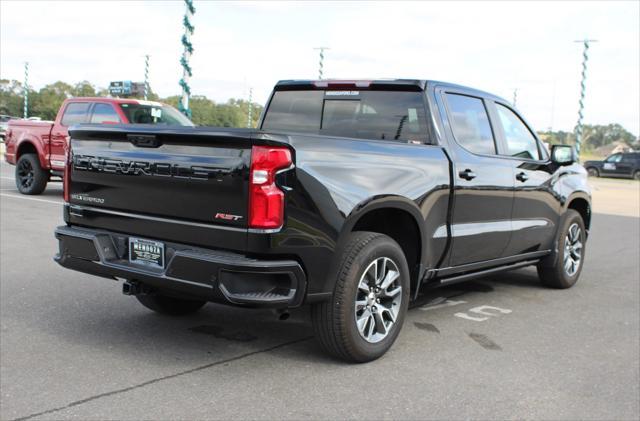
pixel 398 218
pixel 29 146
pixel 581 203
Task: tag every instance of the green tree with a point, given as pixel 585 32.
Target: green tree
pixel 593 137
pixel 84 88
pixel 599 135
pixel 48 100
pixel 11 97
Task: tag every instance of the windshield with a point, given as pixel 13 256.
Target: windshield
pixel 380 115
pixel 154 114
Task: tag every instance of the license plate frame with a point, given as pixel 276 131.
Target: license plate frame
pixel 148 253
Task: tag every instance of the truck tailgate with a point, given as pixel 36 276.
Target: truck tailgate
pixel 197 175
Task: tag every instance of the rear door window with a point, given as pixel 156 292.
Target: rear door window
pixel 104 113
pixel 375 115
pixel 614 158
pixel 75 113
pixel 470 124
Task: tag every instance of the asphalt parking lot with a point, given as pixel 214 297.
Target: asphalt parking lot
pixel 73 347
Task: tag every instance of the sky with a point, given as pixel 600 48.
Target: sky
pixel 494 46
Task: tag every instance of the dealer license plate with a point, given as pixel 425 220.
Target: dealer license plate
pixel 146 252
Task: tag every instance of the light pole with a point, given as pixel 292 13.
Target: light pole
pixel 585 56
pixel 186 55
pixel 321 63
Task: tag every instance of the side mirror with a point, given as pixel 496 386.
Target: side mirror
pixel 563 154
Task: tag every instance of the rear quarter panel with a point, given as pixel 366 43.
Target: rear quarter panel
pixel 337 181
pixel 24 132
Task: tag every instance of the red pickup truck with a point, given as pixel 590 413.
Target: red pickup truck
pixel 38 148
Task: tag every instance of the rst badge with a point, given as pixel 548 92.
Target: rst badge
pixel 228 217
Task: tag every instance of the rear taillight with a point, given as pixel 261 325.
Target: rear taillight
pixel 66 180
pixel 266 200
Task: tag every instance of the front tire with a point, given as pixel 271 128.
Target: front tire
pixel 169 305
pixel 370 300
pixel 562 269
pixel 30 178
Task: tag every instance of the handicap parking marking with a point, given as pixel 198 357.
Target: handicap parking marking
pixel 485 313
pixel 445 303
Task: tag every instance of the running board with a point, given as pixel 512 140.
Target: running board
pixel 478 274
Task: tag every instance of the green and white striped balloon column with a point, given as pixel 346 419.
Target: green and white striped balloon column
pixel 250 111
pixel 146 77
pixel 583 89
pixel 26 90
pixel 186 55
pixel 321 62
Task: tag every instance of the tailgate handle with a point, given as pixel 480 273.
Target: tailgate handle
pixel 144 140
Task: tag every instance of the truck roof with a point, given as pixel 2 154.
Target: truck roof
pixel 392 84
pixel 115 100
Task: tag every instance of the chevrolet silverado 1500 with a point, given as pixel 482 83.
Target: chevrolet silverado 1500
pixel 350 196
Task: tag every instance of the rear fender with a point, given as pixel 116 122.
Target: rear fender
pixel 27 144
pixel 365 208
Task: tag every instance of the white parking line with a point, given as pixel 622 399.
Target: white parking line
pixel 7 178
pixel 15 196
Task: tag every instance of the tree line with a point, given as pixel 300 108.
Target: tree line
pixel 45 102
pixel 593 136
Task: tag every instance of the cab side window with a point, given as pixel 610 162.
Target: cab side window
pixel 470 124
pixel 75 113
pixel 614 158
pixel 104 113
pixel 520 141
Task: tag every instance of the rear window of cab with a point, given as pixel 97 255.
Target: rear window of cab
pixel 374 115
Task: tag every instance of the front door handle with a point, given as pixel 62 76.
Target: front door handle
pixel 522 177
pixel 467 174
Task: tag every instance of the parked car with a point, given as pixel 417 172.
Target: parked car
pixel 350 197
pixel 625 165
pixel 38 148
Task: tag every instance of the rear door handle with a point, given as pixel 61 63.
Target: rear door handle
pixel 467 174
pixel 522 177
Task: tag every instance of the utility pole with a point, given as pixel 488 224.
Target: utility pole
pixel 186 55
pixel 250 112
pixel 321 64
pixel 26 89
pixel 585 56
pixel 146 76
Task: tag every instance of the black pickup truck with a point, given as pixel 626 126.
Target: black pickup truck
pixel 351 196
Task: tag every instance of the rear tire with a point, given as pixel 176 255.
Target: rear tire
pixel 562 268
pixel 636 175
pixel 31 179
pixel 169 305
pixel 593 172
pixel 370 300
